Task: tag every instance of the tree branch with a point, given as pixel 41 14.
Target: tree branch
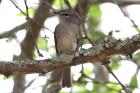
pixel 97 53
pixel 11 32
pixel 120 2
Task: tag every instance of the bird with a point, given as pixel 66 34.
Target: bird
pixel 66 36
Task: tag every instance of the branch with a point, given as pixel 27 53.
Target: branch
pixel 18 7
pixel 11 32
pixel 111 72
pixel 97 53
pixel 68 4
pixel 120 2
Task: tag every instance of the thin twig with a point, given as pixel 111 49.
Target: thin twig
pixel 25 2
pixel 18 7
pixel 86 36
pixel 28 14
pixel 11 32
pixel 132 21
pixel 111 72
pixel 30 83
pixel 97 82
pixel 68 4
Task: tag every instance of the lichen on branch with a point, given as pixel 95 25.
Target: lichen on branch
pixel 98 53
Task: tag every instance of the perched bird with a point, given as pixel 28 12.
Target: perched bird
pixel 66 37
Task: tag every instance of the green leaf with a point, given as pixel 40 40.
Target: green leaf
pixel 137 57
pixel 94 18
pixel 115 62
pixel 106 88
pixel 77 88
pixel 60 3
pixel 88 71
pixel 133 83
pixel 97 35
pixel 94 11
pixel 8 77
pixel 31 11
pixel 42 43
pixel 114 86
pixel 80 88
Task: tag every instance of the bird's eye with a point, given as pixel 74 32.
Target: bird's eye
pixel 66 14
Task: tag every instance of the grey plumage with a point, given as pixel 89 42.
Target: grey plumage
pixel 66 37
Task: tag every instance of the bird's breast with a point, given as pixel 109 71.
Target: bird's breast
pixel 67 39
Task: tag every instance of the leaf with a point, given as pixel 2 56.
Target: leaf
pixel 106 88
pixel 94 16
pixel 115 62
pixel 114 86
pixel 60 3
pixel 137 58
pixel 88 71
pixel 133 83
pixel 42 43
pixel 77 88
pixel 80 88
pixel 94 11
pixel 31 11
pixel 97 35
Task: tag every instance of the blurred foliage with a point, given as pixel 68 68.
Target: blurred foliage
pixel 115 62
pixel 31 11
pixel 94 15
pixel 94 18
pixel 58 4
pixel 42 43
pixel 88 71
pixel 136 57
pixel 133 83
pixel 106 88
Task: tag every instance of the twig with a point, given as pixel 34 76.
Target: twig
pixel 123 86
pixel 18 8
pixel 68 4
pixel 86 36
pixel 97 82
pixel 132 21
pixel 25 2
pixel 28 12
pixel 30 83
pixel 11 32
